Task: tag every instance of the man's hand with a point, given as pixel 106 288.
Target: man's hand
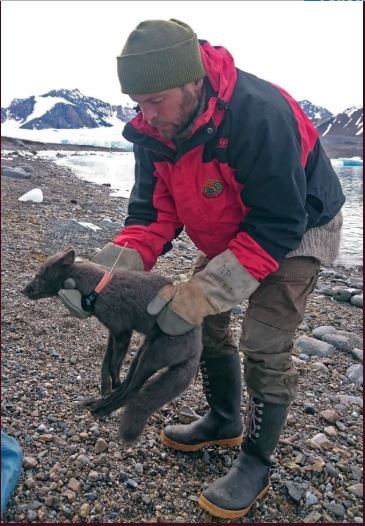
pixel 129 259
pixel 220 286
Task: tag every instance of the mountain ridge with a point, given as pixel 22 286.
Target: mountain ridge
pixel 65 109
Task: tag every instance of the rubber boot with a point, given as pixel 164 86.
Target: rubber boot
pixel 222 424
pixel 232 496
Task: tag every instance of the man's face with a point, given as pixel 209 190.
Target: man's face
pixel 171 110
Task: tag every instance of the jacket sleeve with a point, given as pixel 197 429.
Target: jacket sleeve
pixel 267 162
pixel 152 221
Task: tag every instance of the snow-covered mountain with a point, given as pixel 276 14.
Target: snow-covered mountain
pixel 64 109
pixel 317 114
pixel 349 123
pixel 68 116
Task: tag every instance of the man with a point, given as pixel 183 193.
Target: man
pixel 234 160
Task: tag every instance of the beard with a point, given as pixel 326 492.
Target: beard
pixel 188 111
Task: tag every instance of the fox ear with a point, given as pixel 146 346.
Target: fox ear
pixel 68 257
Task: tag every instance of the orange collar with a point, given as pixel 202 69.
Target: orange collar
pixel 88 302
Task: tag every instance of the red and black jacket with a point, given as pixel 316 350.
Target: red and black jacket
pixel 252 178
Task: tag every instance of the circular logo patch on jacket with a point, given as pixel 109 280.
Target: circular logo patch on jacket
pixel 212 188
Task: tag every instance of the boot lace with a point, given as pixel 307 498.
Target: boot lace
pixel 205 378
pixel 253 418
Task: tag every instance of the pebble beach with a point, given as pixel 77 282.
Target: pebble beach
pixel 74 468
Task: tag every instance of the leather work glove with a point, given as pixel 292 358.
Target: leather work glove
pixel 108 255
pixel 221 285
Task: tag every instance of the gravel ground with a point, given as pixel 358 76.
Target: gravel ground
pixel 74 468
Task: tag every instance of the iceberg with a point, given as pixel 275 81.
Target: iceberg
pixel 352 161
pixel 347 161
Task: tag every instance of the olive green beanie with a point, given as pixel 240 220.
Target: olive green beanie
pixel 159 55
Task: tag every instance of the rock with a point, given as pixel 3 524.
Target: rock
pixel 187 415
pixel 93 475
pixel 42 428
pixel 15 173
pixel 355 374
pixel 29 483
pixel 100 446
pixel 319 441
pixel 330 431
pixel 31 515
pixel 95 430
pixel 357 354
pixel 349 399
pixel 309 408
pixel 354 339
pixel 52 501
pixel 330 415
pixel 356 283
pixel 47 437
pixel 356 489
pixel 297 361
pixel 339 342
pixel 91 497
pixel 313 347
pixel 320 368
pixel 341 294
pixel 356 472
pixel 317 465
pixel 296 490
pixel 300 459
pixel 131 483
pixel 83 460
pixel 29 462
pixel 318 332
pixel 138 468
pixel 310 498
pixel 303 357
pixel 304 326
pixel 69 494
pixel 313 516
pixel 84 510
pixel 54 473
pixel 335 509
pixel 74 485
pixel 332 471
pixel 357 300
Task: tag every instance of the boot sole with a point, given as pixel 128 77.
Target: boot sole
pixel 216 511
pixel 226 442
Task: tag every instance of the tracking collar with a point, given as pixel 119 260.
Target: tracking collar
pixel 88 302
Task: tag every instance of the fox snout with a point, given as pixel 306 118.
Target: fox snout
pixel 29 291
pixel 36 289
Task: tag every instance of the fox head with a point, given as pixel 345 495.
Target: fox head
pixel 50 276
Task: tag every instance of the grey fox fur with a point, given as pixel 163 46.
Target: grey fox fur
pixel 164 366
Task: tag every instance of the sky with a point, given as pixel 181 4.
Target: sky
pixel 312 49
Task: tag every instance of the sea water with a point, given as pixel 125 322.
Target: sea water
pixel 117 170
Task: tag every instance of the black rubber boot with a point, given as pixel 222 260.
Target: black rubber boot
pixel 231 496
pixel 222 424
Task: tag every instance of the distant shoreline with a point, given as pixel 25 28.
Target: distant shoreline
pixel 14 143
pixel 335 147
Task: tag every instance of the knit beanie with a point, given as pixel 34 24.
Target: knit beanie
pixel 159 55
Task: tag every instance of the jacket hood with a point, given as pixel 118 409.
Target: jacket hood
pixel 220 69
pixel 221 74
